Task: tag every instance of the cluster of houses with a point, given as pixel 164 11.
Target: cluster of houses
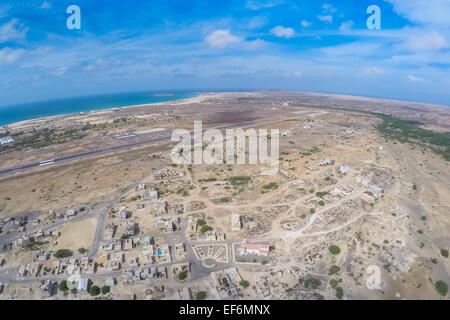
pixel 166 173
pixel 131 276
pixel 226 282
pixel 13 224
pixel 6 140
pixel 167 224
pixel 53 215
pixel 69 266
pixel 326 162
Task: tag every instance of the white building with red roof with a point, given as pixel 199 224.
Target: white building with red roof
pixel 258 248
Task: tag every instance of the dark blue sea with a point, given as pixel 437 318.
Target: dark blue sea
pixel 15 113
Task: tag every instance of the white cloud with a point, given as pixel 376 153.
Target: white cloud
pixel 346 25
pixel 430 12
pixel 282 32
pixel 221 38
pixel 12 30
pixel 325 18
pixel 306 24
pixel 4 10
pixel 425 41
pixel 257 22
pixel 60 71
pixel 46 5
pixel 373 71
pixel 255 44
pixel 415 79
pixel 328 8
pixel 261 4
pixel 9 55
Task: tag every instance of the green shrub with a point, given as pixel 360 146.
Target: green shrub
pixel 334 269
pixel 444 253
pixel 201 295
pixel 244 283
pixel 62 286
pixel 182 275
pixel 334 249
pixel 205 228
pixel 339 292
pixel 105 289
pixel 94 291
pixel 441 287
pixel 62 253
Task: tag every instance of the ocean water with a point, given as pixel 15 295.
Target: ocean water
pixel 15 113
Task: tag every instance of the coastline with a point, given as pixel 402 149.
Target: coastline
pixel 76 115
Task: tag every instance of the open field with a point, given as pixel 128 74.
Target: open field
pixel 363 183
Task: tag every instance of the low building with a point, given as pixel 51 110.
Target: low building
pixel 369 195
pixel 70 213
pixel 122 213
pixel 344 169
pixel 83 284
pixel 236 222
pixel 257 248
pixel 6 140
pixel 343 189
pixel 326 162
pixel 141 187
pixel 178 208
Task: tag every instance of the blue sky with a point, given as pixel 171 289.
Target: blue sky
pixel 310 45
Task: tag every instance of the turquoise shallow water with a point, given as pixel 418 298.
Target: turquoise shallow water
pixel 15 113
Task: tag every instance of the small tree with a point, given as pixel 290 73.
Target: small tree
pixel 244 283
pixel 105 289
pixel 182 275
pixel 205 228
pixel 334 249
pixel 441 287
pixel 62 253
pixel 334 269
pixel 82 250
pixel 201 222
pixel 94 291
pixel 62 286
pixel 201 295
pixel 339 292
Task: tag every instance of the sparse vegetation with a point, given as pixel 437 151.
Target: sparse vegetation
pixel 201 222
pixel 239 180
pixel 310 282
pixel 271 185
pixel 205 228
